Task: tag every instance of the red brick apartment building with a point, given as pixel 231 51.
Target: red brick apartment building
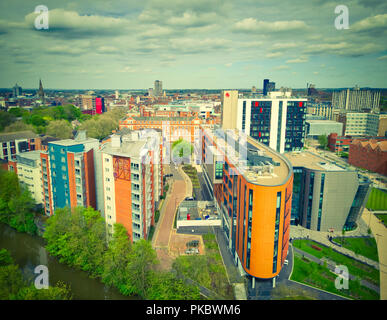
pixel 370 154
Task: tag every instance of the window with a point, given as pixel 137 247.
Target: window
pixel 276 231
pixel 249 223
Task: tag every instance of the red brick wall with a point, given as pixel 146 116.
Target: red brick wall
pixel 368 158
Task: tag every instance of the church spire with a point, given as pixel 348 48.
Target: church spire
pixel 41 92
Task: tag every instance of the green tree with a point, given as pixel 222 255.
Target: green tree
pixel 16 112
pixel 6 119
pixel 18 126
pixel 21 207
pixel 166 286
pixel 323 141
pixel 117 259
pixel 141 267
pixel 58 292
pixel 77 237
pixel 5 258
pixel 11 281
pixel 61 129
pixel 37 120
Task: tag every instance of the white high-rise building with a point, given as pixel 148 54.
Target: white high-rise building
pixel 277 120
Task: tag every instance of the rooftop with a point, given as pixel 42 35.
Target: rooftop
pixel 126 149
pixel 10 136
pixel 31 155
pixel 258 163
pixel 313 161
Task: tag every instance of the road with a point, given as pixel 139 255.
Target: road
pixel 165 226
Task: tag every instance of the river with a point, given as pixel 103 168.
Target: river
pixel 28 252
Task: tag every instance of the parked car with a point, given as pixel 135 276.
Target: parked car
pixel 189 199
pixel 193 243
pixel 192 251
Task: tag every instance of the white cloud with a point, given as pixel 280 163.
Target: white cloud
pixel 297 60
pixel 273 55
pixel 378 22
pixel 281 67
pixel 70 24
pixel 252 25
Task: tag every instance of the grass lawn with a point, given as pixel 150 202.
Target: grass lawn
pixel 193 175
pixel 382 217
pixel 208 270
pixel 318 276
pixel 377 200
pixel 363 246
pixel 355 268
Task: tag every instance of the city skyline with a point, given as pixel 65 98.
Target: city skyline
pixel 193 45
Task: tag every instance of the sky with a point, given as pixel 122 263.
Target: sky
pixel 193 44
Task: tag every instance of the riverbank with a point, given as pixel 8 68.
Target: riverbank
pixel 29 251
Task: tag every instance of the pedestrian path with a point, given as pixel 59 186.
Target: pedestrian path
pixel 299 232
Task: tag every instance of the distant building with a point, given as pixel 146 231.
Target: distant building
pixel 359 123
pixel 16 91
pixel 370 155
pixel 13 143
pixel 158 88
pixel 173 128
pixel 277 120
pixel 268 86
pixel 315 128
pixel 311 88
pixel 356 100
pixel 338 143
pixel 320 109
pixel 326 195
pixel 382 131
pixel 41 92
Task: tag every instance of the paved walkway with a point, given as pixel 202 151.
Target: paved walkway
pixel 380 233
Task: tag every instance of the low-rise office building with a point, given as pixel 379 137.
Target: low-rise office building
pixel 315 128
pixel 326 195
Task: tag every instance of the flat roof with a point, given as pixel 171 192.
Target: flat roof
pixel 126 149
pixel 262 166
pixel 313 161
pixel 10 136
pixel 31 155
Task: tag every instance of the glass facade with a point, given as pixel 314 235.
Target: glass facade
pixel 250 218
pixel 295 124
pixel 276 231
pixel 260 121
pixel 297 181
pixel 320 201
pixel 310 201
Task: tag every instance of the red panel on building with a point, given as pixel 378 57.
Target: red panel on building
pixel 256 103
pixel 300 104
pixel 99 105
